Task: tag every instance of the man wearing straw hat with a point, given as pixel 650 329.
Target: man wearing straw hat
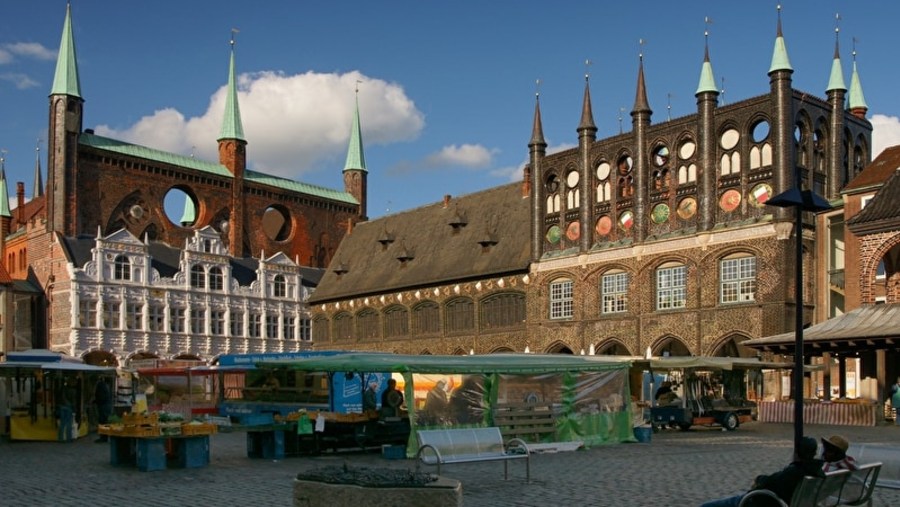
pixel 834 453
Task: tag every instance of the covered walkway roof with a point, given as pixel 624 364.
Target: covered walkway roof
pixel 865 328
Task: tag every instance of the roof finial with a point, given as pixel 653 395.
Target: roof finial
pixel 537 89
pixel 669 106
pixel 707 21
pixel 234 31
pixel 621 110
pixel 722 91
pixel 641 43
pixel 357 86
pixel 855 40
pixel 587 69
pixel 837 35
pixel 778 32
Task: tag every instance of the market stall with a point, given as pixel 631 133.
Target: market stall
pixel 48 394
pixel 840 412
pixel 158 440
pixel 582 397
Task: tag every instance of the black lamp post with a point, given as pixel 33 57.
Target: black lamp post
pixel 800 200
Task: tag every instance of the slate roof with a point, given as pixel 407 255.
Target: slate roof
pixel 877 172
pixel 882 213
pixel 420 248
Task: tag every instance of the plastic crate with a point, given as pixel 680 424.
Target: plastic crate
pixel 393 451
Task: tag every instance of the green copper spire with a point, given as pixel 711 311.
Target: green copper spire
pixel 231 122
pixel 356 159
pixel 66 82
pixel 38 190
pixel 836 81
pixel 707 80
pixel 4 191
pixel 780 59
pixel 856 99
pixel 189 215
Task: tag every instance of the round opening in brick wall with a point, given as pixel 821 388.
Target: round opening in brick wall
pixel 181 207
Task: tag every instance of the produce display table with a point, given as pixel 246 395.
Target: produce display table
pixel 842 413
pixel 159 452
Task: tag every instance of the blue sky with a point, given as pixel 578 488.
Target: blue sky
pixel 446 88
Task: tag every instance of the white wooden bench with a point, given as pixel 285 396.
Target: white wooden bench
pixel 465 445
pixel 886 454
pixel 811 492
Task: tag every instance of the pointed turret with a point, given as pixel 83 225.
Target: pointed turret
pixel 65 81
pixel 38 190
pixel 587 134
pixel 232 128
pixel 189 215
pixel 780 60
pixel 857 101
pixel 707 79
pixel 66 116
pixel 537 128
pixel 232 155
pixel 356 158
pixel 587 125
pixel 836 93
pixel 836 79
pixel 641 104
pixel 355 172
pixel 707 101
pixel 782 124
pixel 537 148
pixel 4 192
pixel 640 126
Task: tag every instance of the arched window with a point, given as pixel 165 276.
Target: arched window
pixel 737 279
pixel 216 279
pixel 614 291
pixel 122 269
pixel 503 310
pixel 459 315
pixel 198 276
pixel 279 286
pixel 367 324
pixel 426 318
pixel 396 322
pixel 671 287
pixel 343 326
pixel 320 329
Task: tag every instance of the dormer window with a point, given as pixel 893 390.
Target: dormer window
pixel 385 239
pixel 458 221
pixel 340 269
pixel 404 256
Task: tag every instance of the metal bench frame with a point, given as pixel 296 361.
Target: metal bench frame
pixel 811 492
pixel 467 445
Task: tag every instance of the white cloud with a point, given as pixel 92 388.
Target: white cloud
pixel 31 50
pixel 467 155
pixel 292 123
pixel 885 132
pixel 21 81
pixel 5 56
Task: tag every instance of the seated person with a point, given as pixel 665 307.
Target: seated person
pixel 834 453
pixel 784 482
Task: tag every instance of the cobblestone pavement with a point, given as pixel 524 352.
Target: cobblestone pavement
pixel 676 468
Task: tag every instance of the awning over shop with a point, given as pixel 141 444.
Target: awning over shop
pixel 712 363
pixel 867 327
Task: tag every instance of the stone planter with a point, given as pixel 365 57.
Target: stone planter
pixel 357 487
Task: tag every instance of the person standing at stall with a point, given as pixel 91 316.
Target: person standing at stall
pixel 65 403
pixel 103 402
pixel 895 401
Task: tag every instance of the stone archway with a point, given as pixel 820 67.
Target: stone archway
pixel 730 346
pixel 559 348
pixel 613 347
pixel 671 346
pixel 99 357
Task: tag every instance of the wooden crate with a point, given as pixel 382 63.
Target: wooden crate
pixel 151 419
pixel 198 429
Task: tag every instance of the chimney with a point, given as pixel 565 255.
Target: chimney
pixel 349 225
pixel 446 200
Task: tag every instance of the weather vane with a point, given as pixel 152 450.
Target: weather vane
pixel 668 107
pixel 723 91
pixel 641 43
pixel 621 110
pixel 357 86
pixel 587 69
pixel 855 40
pixel 234 31
pixel 537 87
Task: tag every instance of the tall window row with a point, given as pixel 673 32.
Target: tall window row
pixel 458 315
pixel 736 283
pixel 197 321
